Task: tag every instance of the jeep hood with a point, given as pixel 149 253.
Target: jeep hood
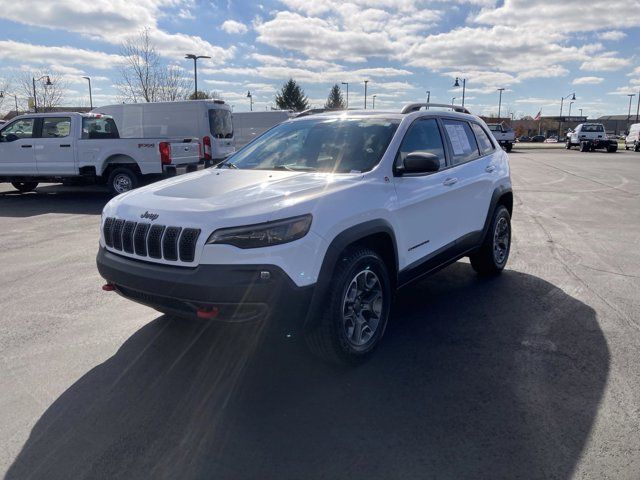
pixel 226 194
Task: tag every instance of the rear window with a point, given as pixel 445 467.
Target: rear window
pixel 592 128
pixel 99 128
pixel 220 123
pixel 495 128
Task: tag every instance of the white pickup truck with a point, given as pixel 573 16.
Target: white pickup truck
pixel 503 134
pixel 86 148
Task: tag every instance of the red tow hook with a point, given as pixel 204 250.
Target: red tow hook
pixel 207 313
pixel 108 287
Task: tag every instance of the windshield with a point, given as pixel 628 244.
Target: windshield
pixel 220 123
pixel 343 145
pixel 592 128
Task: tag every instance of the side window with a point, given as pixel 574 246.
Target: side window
pixel 99 128
pixel 486 147
pixel 56 127
pixel 422 136
pixel 17 130
pixel 463 143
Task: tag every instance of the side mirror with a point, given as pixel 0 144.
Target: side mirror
pixel 420 162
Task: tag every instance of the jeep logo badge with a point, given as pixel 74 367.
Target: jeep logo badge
pixel 150 216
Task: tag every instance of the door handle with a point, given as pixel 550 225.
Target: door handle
pixel 26 146
pixel 450 181
pixel 490 168
pixel 66 145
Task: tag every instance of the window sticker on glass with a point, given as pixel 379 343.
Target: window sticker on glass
pixel 459 140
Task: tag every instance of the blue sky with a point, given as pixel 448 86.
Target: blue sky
pixel 537 50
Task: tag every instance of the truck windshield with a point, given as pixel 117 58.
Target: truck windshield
pixel 220 123
pixel 343 145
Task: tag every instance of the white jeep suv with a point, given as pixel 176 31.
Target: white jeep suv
pixel 315 224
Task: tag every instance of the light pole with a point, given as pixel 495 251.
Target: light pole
pixel 90 97
pixel 15 97
pixel 464 87
pixel 580 112
pixel 453 100
pixel 573 97
pixel 637 108
pixel 347 84
pixel 191 56
pixel 500 101
pixel 570 103
pixel 250 97
pixel 631 95
pixel 365 93
pixel 373 107
pixel 428 98
pixel 46 84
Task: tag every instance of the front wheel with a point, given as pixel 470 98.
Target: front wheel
pixel 356 310
pixel 568 145
pixel 508 147
pixel 24 187
pixel 612 148
pixel 122 180
pixel 492 256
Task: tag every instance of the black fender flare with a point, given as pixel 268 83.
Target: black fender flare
pixel 498 192
pixel 338 245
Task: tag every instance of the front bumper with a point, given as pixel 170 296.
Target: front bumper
pixel 238 292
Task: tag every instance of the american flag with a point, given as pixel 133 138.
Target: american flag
pixel 538 116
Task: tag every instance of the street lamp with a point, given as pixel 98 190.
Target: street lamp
pixel 453 100
pixel 347 84
pixel 500 101
pixel 428 98
pixel 191 56
pixel 15 97
pixel 90 97
pixel 46 84
pixel 374 101
pixel 365 93
pixel 573 97
pixel 631 95
pixel 464 87
pixel 250 97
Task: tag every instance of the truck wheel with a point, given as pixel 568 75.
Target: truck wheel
pixel 637 147
pixel 122 180
pixel 568 145
pixel 492 256
pixel 508 147
pixel 356 309
pixel 24 187
pixel 612 148
pixel 584 147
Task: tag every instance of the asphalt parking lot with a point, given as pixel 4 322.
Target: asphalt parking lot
pixel 530 375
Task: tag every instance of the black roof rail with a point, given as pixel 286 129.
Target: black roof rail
pixel 414 107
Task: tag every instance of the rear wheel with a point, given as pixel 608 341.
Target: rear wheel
pixel 508 147
pixel 24 187
pixel 584 147
pixel 492 256
pixel 122 180
pixel 637 147
pixel 356 309
pixel 612 148
pixel 568 145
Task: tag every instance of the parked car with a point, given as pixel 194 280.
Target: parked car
pixel 632 140
pixel 249 125
pixel 208 120
pixel 551 140
pixel 59 147
pixel 320 219
pixel 589 137
pixel 503 134
pixel 538 138
pixel 524 138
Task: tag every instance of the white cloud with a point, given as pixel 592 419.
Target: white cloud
pixel 59 57
pixel 587 81
pixel 612 35
pixel 233 27
pixel 605 62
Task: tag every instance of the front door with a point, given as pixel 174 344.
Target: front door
pixel 16 148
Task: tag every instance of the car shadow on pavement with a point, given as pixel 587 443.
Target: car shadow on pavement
pixel 476 378
pixel 85 200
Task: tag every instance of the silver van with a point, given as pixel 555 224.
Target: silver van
pixel 633 138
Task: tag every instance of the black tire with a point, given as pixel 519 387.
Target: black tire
pixel 612 148
pixel 122 180
pixel 24 187
pixel 508 147
pixel 568 145
pixel 331 338
pixel 626 147
pixel 584 147
pixel 637 147
pixel 491 257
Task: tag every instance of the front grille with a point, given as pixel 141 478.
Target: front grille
pixel 154 241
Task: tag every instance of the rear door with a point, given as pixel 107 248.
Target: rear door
pixel 16 148
pixel 54 147
pixel 471 176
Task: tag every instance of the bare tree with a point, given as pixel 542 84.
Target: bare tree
pixel 47 96
pixel 5 87
pixel 144 76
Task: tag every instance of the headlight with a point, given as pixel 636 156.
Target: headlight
pixel 263 234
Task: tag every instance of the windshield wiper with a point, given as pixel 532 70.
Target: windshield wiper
pixel 294 168
pixel 228 165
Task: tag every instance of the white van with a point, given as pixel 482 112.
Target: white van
pixel 633 138
pixel 249 125
pixel 208 120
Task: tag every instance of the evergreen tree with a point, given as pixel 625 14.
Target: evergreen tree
pixel 200 96
pixel 292 97
pixel 335 99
